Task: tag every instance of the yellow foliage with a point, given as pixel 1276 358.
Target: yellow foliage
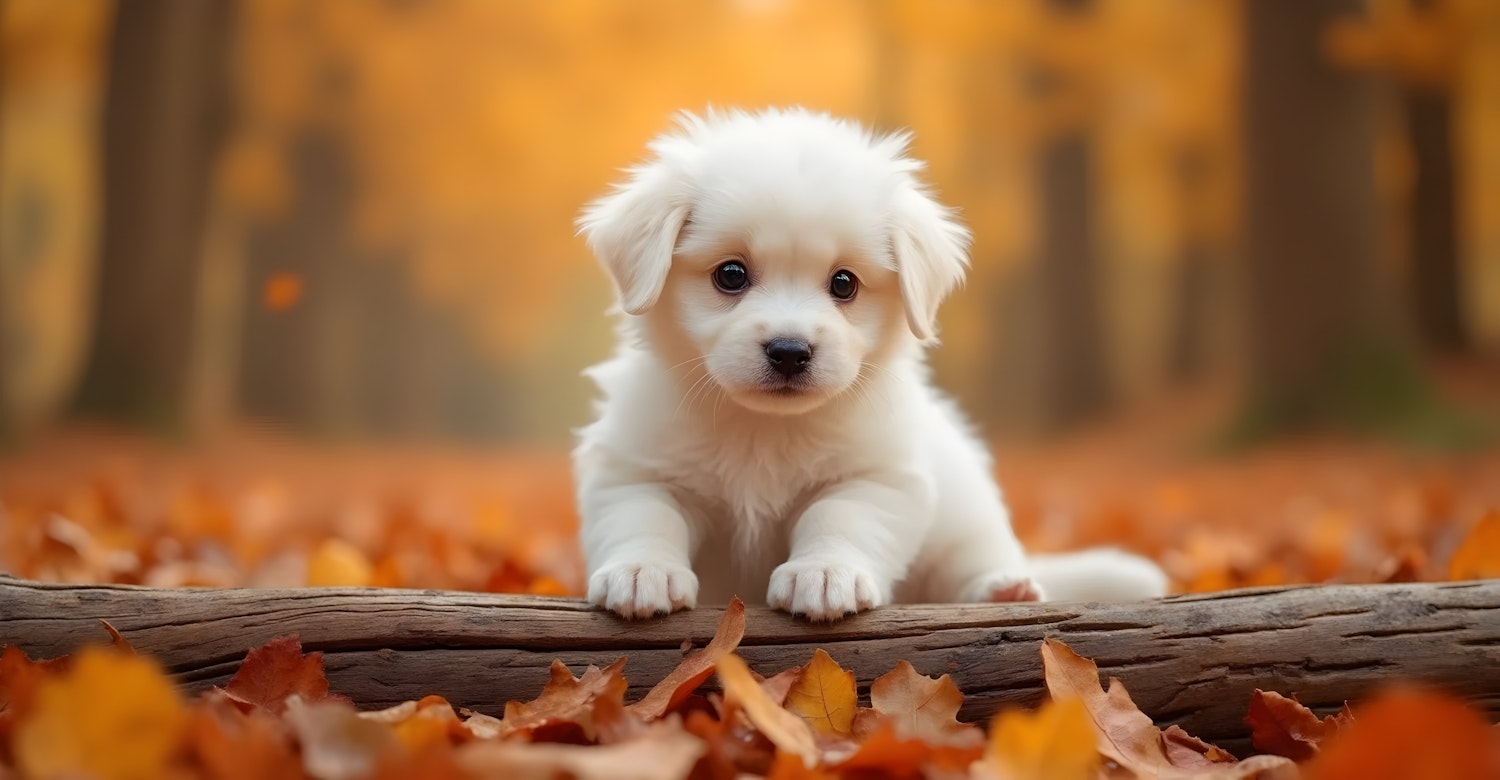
pixel 824 695
pixel 113 716
pixel 1054 743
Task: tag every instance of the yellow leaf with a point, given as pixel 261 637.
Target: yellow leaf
pixel 336 562
pixel 786 731
pixel 1054 743
pixel 921 707
pixel 824 696
pixel 113 716
pixel 1478 557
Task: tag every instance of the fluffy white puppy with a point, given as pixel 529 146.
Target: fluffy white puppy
pixel 767 424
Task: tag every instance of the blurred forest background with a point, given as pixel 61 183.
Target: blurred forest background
pixel 1203 221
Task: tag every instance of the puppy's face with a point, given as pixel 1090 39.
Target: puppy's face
pixel 786 254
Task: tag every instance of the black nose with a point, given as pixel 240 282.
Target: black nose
pixel 788 356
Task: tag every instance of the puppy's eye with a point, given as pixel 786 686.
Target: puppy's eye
pixel 843 285
pixel 731 277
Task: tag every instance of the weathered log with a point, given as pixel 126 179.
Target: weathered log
pixel 1191 660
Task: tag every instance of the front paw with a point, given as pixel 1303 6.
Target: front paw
pixel 823 591
pixel 1001 587
pixel 643 590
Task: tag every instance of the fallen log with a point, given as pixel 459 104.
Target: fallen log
pixel 1191 660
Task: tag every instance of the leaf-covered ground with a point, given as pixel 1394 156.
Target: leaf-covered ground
pixel 262 511
pixel 106 712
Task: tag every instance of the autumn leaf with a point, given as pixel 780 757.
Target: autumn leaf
pixel 1054 743
pixel 1409 732
pixel 233 745
pixel 1282 726
pixel 20 676
pixel 336 743
pixel 336 563
pixel 116 640
pixel 111 716
pixel 787 731
pixel 824 696
pixel 1478 557
pixel 566 700
pixel 1125 735
pixel 697 668
pixel 665 752
pixel 921 707
pixel 422 725
pixel 275 671
pixel 883 753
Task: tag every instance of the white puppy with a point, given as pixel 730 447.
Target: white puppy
pixel 767 424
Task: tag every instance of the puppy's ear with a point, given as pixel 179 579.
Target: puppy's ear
pixel 633 231
pixel 931 251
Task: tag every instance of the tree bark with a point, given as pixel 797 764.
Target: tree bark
pixel 164 120
pixel 1191 660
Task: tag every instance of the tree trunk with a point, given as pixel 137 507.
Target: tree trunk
pixel 1191 660
pixel 1436 280
pixel 1317 293
pixel 164 119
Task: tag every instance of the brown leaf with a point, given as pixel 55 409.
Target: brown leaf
pixel 665 752
pixel 786 730
pixel 734 747
pixel 778 685
pixel 566 700
pixel 824 696
pixel 1282 726
pixel 117 640
pixel 233 745
pixel 277 670
pixel 1126 736
pixel 884 753
pixel 695 669
pixel 922 707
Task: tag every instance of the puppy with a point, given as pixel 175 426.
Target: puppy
pixel 767 424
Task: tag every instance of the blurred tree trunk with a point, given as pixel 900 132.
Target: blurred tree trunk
pixel 164 120
pixel 1436 277
pixel 1325 338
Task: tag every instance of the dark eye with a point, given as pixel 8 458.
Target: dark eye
pixel 731 277
pixel 843 285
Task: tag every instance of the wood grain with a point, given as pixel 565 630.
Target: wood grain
pixel 1191 660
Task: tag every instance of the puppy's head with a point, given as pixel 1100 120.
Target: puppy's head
pixel 786 252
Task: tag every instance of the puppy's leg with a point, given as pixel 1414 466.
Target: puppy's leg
pixel 850 547
pixel 973 555
pixel 639 551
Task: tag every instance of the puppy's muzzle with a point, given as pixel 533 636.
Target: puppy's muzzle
pixel 788 357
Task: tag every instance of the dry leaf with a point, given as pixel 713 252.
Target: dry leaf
pixel 885 754
pixel 111 716
pixel 233 745
pixel 778 685
pixel 1126 736
pixel 1054 743
pixel 116 640
pixel 666 752
pixel 694 670
pixel 566 700
pixel 824 696
pixel 922 707
pixel 1282 726
pixel 1478 557
pixel 787 731
pixel 336 743
pixel 275 671
pixel 1410 733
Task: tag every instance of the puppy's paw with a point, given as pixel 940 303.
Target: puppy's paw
pixel 823 591
pixel 643 590
pixel 1001 587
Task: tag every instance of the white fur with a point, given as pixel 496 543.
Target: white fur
pixel 707 474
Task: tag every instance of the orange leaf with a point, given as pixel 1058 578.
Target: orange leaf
pixel 115 639
pixel 566 700
pixel 110 716
pixel 1282 726
pixel 1126 736
pixel 231 745
pixel 886 754
pixel 1054 743
pixel 785 730
pixel 337 563
pixel 1478 558
pixel 695 669
pixel 824 696
pixel 922 707
pixel 20 676
pixel 1408 732
pixel 276 670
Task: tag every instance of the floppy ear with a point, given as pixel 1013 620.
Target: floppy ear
pixel 931 251
pixel 633 231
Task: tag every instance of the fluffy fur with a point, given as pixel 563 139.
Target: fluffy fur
pixel 850 485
